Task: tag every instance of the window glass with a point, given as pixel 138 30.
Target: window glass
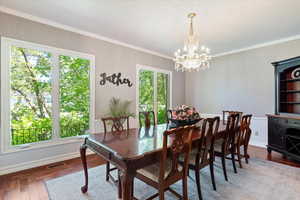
pixel 74 97
pixel 154 93
pixel 162 97
pixel 30 95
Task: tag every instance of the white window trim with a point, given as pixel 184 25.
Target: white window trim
pixel 155 70
pixel 5 135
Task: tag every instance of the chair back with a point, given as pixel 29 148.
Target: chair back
pixel 117 123
pixel 229 112
pixel 231 131
pixel 147 121
pixel 209 129
pixel 245 131
pixel 169 116
pixel 180 140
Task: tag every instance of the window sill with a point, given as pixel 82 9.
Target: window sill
pixel 44 144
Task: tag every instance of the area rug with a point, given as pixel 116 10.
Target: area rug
pixel 259 180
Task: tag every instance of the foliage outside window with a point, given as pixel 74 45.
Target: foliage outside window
pixel 32 95
pixel 162 97
pixel 152 82
pixel 31 102
pixel 74 96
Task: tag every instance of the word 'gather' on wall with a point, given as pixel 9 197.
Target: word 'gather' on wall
pixel 115 79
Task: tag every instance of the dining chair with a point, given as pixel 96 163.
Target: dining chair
pixel 228 112
pixel 117 126
pixel 226 145
pixel 203 154
pixel 168 170
pixel 243 139
pixel 147 121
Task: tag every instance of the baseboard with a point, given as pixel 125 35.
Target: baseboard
pixel 38 163
pixel 258 144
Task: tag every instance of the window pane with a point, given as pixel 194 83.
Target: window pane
pixel 30 95
pixel 162 97
pixel 146 91
pixel 74 96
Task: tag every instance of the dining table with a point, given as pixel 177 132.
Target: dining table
pixel 131 150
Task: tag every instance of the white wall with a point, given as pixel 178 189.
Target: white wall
pixel 242 81
pixel 110 58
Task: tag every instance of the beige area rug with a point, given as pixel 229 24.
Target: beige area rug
pixel 259 180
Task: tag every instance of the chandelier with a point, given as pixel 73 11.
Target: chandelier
pixel 192 57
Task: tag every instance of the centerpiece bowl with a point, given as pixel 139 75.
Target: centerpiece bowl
pixel 184 115
pixel 185 122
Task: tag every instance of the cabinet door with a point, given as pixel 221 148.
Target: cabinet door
pixel 276 131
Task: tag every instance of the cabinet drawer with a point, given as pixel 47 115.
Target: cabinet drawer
pixel 294 122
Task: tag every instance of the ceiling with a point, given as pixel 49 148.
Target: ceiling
pixel 161 25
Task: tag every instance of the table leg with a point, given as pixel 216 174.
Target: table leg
pixel 84 164
pixel 127 185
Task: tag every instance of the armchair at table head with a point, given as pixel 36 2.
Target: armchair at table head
pixel 147 121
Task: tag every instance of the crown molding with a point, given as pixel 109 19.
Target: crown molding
pixel 76 30
pixel 256 46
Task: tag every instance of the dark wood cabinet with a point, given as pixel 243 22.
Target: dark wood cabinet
pixel 284 135
pixel 287 86
pixel 284 126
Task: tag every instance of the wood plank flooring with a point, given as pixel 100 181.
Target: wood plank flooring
pixel 29 184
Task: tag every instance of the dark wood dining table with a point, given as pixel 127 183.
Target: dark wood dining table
pixel 129 151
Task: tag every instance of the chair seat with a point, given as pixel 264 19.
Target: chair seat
pixel 218 145
pixel 152 171
pixel 218 148
pixel 242 142
pixel 193 155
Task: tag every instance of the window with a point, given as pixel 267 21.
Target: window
pixel 154 91
pixel 74 99
pixel 46 93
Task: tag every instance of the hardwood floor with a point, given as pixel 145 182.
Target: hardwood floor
pixel 29 184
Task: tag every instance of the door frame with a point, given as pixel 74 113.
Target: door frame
pixel 155 70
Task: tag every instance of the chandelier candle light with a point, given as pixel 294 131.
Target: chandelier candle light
pixel 192 57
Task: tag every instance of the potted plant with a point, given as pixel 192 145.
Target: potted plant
pixel 119 108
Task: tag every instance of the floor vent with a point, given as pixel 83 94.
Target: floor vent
pixel 56 165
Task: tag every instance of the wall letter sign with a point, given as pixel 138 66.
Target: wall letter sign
pixel 114 79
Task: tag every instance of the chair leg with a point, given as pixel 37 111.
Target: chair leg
pixel 212 175
pixel 184 188
pixel 239 156
pixel 119 185
pixel 233 161
pixel 107 170
pixel 246 153
pixel 132 189
pixel 197 175
pixel 224 167
pixel 161 194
